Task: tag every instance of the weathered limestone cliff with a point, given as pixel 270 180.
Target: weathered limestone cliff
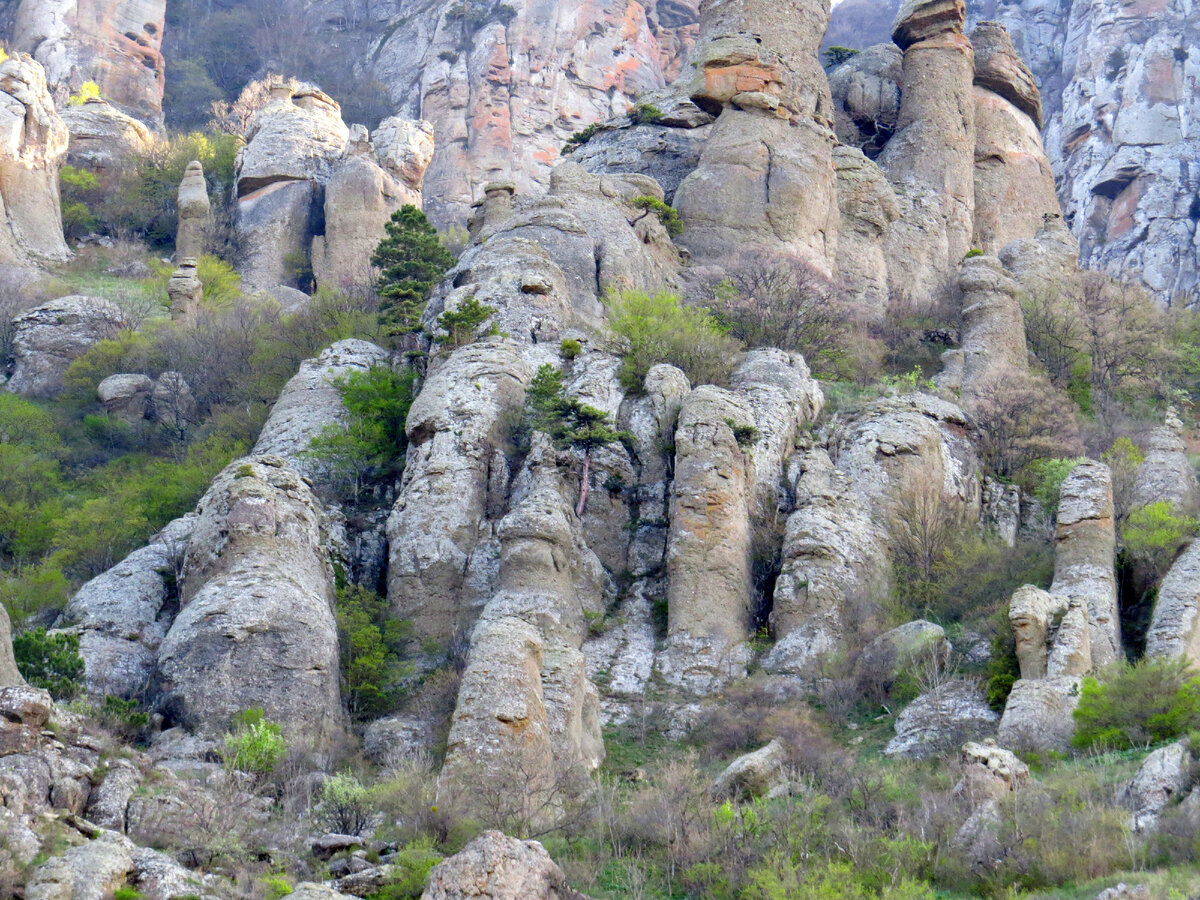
pixel 115 43
pixel 33 145
pixel 505 86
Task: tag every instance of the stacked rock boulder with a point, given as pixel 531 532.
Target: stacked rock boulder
pixel 1064 633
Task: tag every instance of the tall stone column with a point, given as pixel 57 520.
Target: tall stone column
pixel 765 178
pixel 930 161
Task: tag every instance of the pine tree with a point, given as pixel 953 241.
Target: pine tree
pixel 411 260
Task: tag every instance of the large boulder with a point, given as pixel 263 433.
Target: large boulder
pixel 753 774
pixel 497 867
pixel 256 627
pixel 104 139
pixel 126 397
pixel 89 871
pixel 866 97
pixel 48 338
pixel 121 616
pixel 33 145
pixel 941 719
pixel 1164 775
pixel 1038 715
pixel 1166 473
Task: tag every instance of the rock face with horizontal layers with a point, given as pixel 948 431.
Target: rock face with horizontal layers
pixel 930 160
pixel 709 546
pixel 497 867
pixel 50 337
pixel 256 627
pixel 503 95
pixel 765 176
pixel 527 717
pixel 1175 626
pixel 993 329
pixel 544 266
pixel 33 145
pixel 1014 185
pixel 122 615
pixel 115 43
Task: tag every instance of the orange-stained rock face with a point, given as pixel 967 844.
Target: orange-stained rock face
pixel 115 43
pixel 504 98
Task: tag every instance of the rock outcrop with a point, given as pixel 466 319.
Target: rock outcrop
pixel 765 176
pixel 527 717
pixel 867 206
pixel 1175 625
pixel 195 210
pixel 1038 714
pixel 866 97
pixel 544 265
pixel 256 626
pixel 115 43
pixel 312 190
pixel 709 546
pixel 505 93
pixel 1014 186
pixel 930 160
pixel 9 675
pixel 311 401
pixel 1119 89
pixel 48 338
pixel 122 615
pixel 993 331
pixel 754 774
pixel 1084 549
pixel 1166 474
pixel 33 145
pixel 497 867
pixel 103 138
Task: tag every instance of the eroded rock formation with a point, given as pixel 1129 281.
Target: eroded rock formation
pixel 115 43
pixel 48 338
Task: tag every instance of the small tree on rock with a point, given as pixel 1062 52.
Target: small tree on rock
pixel 411 260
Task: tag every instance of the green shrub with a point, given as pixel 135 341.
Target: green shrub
pixel 462 324
pixel 368 447
pixel 372 642
pixel 412 867
pixel 660 328
pixel 973 252
pixel 1045 477
pixel 1133 706
pixel 569 348
pixel 581 137
pixel 411 260
pixel 344 807
pixel 276 887
pixel 50 661
pixel 835 56
pixel 122 716
pixel 646 114
pixel 89 90
pixel 745 435
pixel 255 745
pixel 1153 534
pixel 666 214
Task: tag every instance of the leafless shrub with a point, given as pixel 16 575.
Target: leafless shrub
pixel 1020 419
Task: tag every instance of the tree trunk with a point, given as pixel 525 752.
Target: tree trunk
pixel 583 484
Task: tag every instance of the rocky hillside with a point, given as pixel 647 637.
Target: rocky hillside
pixel 771 481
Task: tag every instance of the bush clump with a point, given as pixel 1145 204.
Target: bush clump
pixel 50 661
pixel 661 328
pixel 255 745
pixel 1134 706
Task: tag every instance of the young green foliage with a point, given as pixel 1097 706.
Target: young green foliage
pixel 372 643
pixel 50 661
pixel 1134 706
pixel 462 324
